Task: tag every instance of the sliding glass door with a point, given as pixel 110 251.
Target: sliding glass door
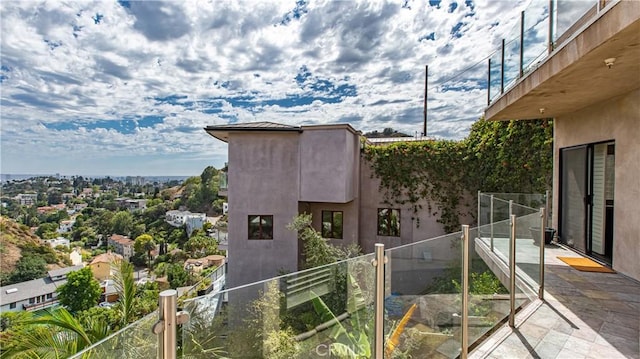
pixel 586 208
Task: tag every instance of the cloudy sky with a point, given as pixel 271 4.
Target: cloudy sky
pixel 125 88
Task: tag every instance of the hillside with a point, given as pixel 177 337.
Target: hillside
pixel 13 234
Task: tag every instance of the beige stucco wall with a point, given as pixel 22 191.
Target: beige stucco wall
pixel 101 270
pixel 328 165
pixel 615 119
pixel 350 215
pixel 263 180
pixel 372 198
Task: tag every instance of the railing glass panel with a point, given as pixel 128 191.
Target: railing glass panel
pixel 423 299
pixel 532 200
pixel 569 15
pixel 535 39
pixel 223 180
pixel 135 341
pixel 495 75
pixel 488 291
pixel 528 246
pixel 315 313
pixel 512 57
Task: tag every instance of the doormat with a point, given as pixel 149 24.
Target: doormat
pixel 585 264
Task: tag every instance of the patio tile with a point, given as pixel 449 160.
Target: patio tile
pixel 629 321
pixel 548 350
pixel 577 345
pixel 585 333
pixel 566 353
pixel 599 351
pixel 620 331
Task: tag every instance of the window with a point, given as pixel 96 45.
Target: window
pixel 12 306
pixel 260 227
pixel 32 300
pixel 332 224
pixel 389 222
pixel 50 296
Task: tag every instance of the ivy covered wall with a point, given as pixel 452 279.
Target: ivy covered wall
pixel 505 156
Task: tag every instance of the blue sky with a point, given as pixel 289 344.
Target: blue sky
pixel 125 87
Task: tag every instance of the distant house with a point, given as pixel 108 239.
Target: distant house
pixel 86 193
pixel 34 294
pixel 66 226
pixel 122 245
pixel 192 221
pixel 101 265
pixel 60 241
pixel 52 208
pixel 136 204
pixel 27 199
pixel 79 206
pixel 68 196
pixel 76 257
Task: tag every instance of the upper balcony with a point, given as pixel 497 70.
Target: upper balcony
pixel 565 55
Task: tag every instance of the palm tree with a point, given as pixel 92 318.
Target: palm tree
pixel 126 288
pixel 57 334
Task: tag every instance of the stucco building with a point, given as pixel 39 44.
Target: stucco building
pixel 590 85
pixel 276 172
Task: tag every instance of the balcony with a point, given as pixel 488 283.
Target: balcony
pixel 409 307
pixel 550 64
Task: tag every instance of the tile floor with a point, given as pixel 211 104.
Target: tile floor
pixel 583 315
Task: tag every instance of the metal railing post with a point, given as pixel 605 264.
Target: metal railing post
pixel 168 320
pixel 543 235
pixel 489 84
pixel 165 328
pixel 465 292
pixel 379 262
pixel 546 204
pixel 521 70
pixel 479 216
pixel 502 70
pixel 491 221
pixel 551 20
pixel 512 272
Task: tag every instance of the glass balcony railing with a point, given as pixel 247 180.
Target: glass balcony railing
pixel 309 314
pixel 135 341
pixel 544 26
pixel 330 311
pixel 423 301
pixel 223 184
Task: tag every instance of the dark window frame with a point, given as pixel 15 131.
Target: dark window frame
pixel 262 233
pixel 12 305
pixel 386 226
pixel 331 231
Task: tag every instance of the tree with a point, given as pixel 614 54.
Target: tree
pixel 144 243
pixel 317 250
pixel 177 276
pixel 122 223
pixel 46 228
pixel 81 291
pixel 200 246
pixel 29 267
pixel 56 334
pixel 126 288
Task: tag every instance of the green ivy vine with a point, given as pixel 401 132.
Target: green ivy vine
pixel 505 156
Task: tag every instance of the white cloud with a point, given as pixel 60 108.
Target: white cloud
pixel 70 67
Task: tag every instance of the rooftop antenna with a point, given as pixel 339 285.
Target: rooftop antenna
pixel 426 81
